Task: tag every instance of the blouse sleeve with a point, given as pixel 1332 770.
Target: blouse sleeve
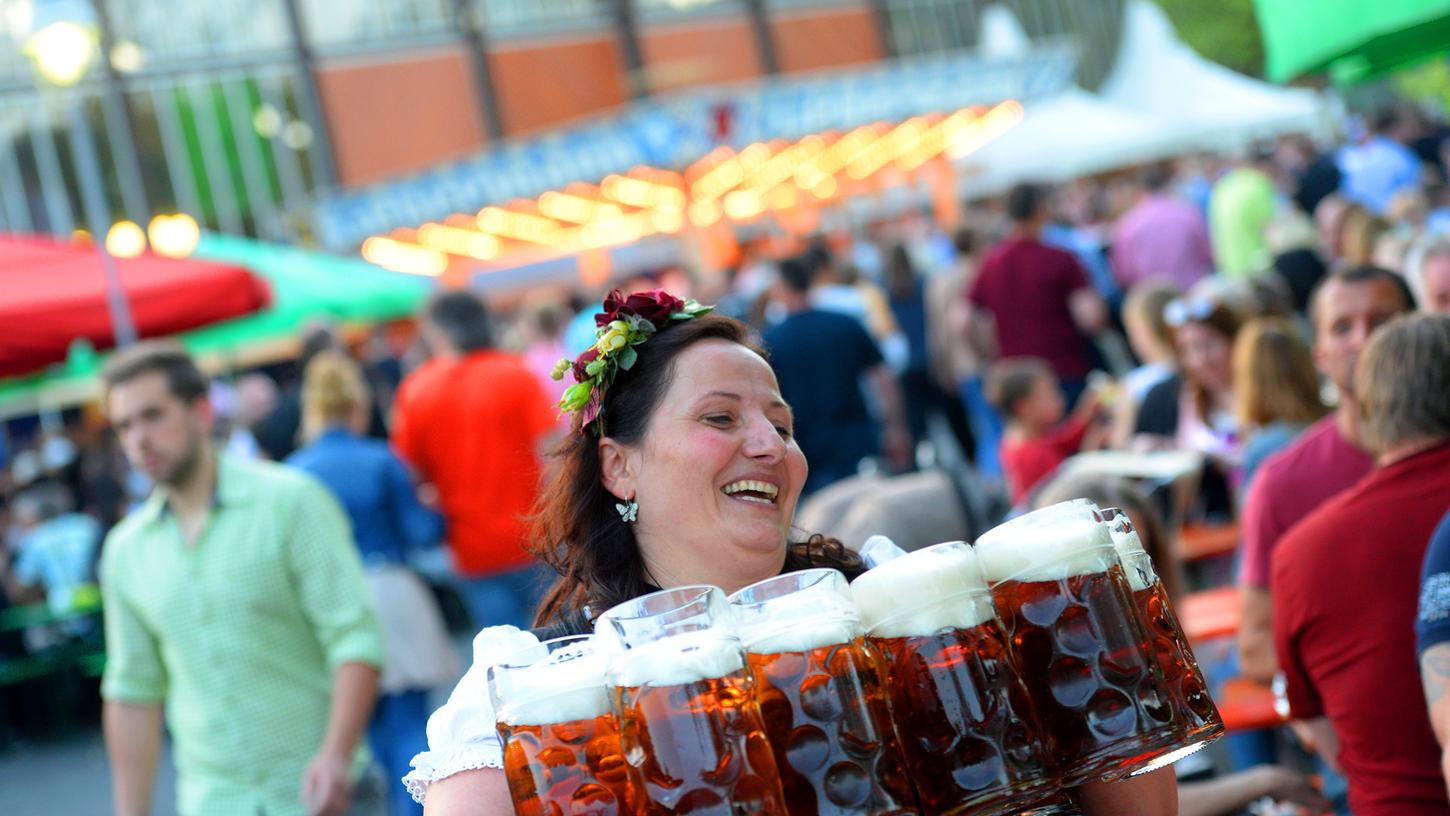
pixel 462 734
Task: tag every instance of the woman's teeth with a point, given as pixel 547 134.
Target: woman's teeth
pixel 753 491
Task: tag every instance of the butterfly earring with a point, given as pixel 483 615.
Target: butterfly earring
pixel 628 511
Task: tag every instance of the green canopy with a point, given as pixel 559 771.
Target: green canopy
pixel 1353 40
pixel 307 286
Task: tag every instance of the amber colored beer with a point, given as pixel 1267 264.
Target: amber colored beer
pixel 698 748
pixel 1187 691
pixel 1099 696
pixel 967 728
pixel 826 715
pixel 566 768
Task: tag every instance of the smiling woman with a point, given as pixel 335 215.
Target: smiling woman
pixel 682 469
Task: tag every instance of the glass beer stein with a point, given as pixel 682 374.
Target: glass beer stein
pixel 689 723
pixel 821 697
pixel 1187 690
pixel 1068 611
pixel 962 714
pixel 560 742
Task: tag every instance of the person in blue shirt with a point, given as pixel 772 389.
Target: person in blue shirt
pixel 823 361
pixel 1380 166
pixel 389 523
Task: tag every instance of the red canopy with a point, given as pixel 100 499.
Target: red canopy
pixel 52 293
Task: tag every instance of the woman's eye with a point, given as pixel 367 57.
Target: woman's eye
pixel 784 432
pixel 719 419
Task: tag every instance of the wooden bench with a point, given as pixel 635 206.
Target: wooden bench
pixel 1210 613
pixel 1197 542
pixel 1247 706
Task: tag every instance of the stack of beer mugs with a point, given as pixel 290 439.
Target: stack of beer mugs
pixel 955 680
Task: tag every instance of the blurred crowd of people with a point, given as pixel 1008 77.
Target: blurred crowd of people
pixel 1211 305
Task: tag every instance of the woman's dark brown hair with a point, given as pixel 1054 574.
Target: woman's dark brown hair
pixel 576 529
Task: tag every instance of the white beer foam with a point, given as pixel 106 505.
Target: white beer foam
pixel 1056 542
pixel 676 660
pixel 922 593
pixel 555 692
pixel 560 707
pixel 799 637
pixel 1131 552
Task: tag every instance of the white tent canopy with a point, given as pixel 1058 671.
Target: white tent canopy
pixel 1072 134
pixel 1155 72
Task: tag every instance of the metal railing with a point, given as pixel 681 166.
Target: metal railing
pixel 217 92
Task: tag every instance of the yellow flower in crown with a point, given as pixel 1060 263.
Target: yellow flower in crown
pixel 624 324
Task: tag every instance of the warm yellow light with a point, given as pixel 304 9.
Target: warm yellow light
pixel 535 229
pixel 126 239
pixel 741 205
pixel 704 213
pixel 783 197
pixel 63 52
pixel 825 188
pixel 575 209
pixel 458 241
pixel 174 236
pixel 667 221
pixel 404 257
pixel 989 126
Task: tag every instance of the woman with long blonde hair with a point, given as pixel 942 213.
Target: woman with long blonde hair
pixel 389 523
pixel 1276 389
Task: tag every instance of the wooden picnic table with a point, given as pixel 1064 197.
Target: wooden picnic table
pixel 1210 613
pixel 1199 541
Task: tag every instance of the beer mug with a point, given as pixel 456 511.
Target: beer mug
pixel 1187 691
pixel 821 697
pixel 1069 613
pixel 689 723
pixel 1060 804
pixel 561 749
pixel 962 714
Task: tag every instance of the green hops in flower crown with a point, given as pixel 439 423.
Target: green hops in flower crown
pixel 624 324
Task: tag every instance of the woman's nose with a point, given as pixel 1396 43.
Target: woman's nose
pixel 763 440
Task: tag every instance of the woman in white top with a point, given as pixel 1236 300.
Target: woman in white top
pixel 681 469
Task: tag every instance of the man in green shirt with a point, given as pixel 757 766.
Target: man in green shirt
pixel 1240 207
pixel 235 598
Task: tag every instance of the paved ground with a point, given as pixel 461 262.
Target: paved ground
pixel 68 777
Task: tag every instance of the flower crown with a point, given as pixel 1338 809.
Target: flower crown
pixel 624 324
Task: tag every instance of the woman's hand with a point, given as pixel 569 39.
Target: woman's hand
pixel 483 792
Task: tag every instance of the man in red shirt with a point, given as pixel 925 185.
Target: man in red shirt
pixel 1324 461
pixel 473 422
pixel 1039 297
pixel 1346 580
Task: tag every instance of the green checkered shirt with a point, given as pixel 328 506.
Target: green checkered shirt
pixel 238 634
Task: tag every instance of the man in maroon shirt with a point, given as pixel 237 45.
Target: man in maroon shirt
pixel 1038 296
pixel 1324 461
pixel 1346 581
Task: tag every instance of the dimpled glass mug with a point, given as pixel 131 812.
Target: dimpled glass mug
pixel 560 740
pixel 822 697
pixel 689 724
pixel 963 716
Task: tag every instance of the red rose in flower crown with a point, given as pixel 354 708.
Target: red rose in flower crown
pixel 656 306
pixel 624 324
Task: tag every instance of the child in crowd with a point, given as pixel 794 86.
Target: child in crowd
pixel 1026 393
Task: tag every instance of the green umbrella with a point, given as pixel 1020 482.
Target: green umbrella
pixel 1353 40
pixel 307 286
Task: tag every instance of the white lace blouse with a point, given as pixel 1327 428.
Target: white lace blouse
pixel 463 735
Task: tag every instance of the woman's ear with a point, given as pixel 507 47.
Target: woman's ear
pixel 618 468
